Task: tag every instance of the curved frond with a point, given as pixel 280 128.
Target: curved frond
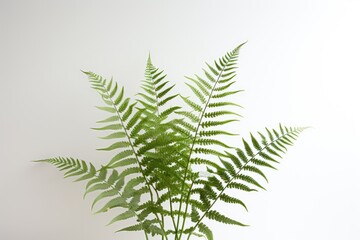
pixel 73 167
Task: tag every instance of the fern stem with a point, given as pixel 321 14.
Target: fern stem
pixel 237 173
pixel 186 209
pixel 172 212
pixel 162 216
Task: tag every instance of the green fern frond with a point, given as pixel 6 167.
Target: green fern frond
pixel 110 119
pixel 189 115
pixel 74 167
pixel 222 104
pixel 248 162
pixel 147 225
pixel 117 145
pixel 219 114
pixel 240 186
pixel 201 161
pixel 207 142
pixel 99 178
pixel 199 93
pixel 224 94
pixel 256 170
pixel 203 86
pixel 228 199
pixel 156 90
pixel 214 133
pixel 214 215
pixel 114 135
pixel 98 183
pixel 208 124
pixel 196 107
pixel 237 163
pixel 120 156
pixel 109 127
pixel 122 163
pixel 229 168
pixel 249 180
pixel 206 230
pixel 123 216
pixel 214 181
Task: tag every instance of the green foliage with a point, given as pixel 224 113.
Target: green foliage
pixel 170 164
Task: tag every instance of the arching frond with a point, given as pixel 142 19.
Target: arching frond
pixel 72 167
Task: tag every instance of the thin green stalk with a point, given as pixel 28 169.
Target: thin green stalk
pixel 162 216
pixel 186 209
pixel 172 212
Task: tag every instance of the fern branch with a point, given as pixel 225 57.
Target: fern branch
pixel 121 122
pixel 199 126
pixel 260 150
pixel 77 167
pixel 172 211
pixel 154 84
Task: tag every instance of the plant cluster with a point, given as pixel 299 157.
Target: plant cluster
pixel 171 165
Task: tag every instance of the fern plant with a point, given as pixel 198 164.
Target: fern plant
pixel 170 164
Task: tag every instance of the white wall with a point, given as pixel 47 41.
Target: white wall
pixel 300 67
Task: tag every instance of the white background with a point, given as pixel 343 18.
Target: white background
pixel 299 67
